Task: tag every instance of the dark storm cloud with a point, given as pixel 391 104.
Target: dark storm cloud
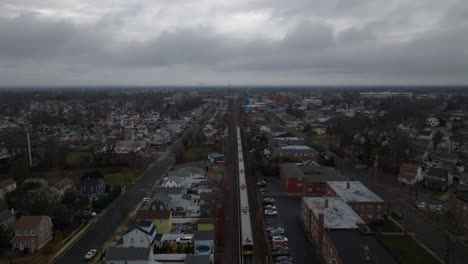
pixel 325 42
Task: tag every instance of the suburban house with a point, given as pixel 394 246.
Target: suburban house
pixel 459 207
pixel 7 186
pixel 302 151
pixel 448 158
pixel 7 218
pixel 190 176
pixel 130 255
pixel 125 147
pixel 162 219
pixel 203 242
pixel 32 232
pixel 333 224
pixel 141 234
pixel 307 178
pixel 58 190
pixel 365 203
pixel 92 188
pixel 438 179
pixel 410 173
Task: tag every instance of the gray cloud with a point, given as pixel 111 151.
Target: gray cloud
pixel 321 42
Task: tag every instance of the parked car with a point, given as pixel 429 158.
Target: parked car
pixel 270 212
pixel 278 229
pixel 270 201
pixel 279 238
pixel 422 205
pixel 284 262
pixel 279 243
pixel 261 183
pixel 282 258
pixel 280 252
pixel 263 190
pixel 270 207
pixel 90 254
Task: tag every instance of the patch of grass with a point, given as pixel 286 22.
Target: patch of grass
pixel 385 226
pixel 74 159
pixel 122 178
pixel 408 250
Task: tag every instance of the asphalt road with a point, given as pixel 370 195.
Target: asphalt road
pixel 105 227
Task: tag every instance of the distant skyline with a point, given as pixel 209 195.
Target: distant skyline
pixel 215 42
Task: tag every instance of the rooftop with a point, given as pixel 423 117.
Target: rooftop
pixel 127 254
pixel 310 172
pixel 363 249
pixel 29 221
pixel 153 214
pixel 6 183
pixel 356 192
pixel 337 214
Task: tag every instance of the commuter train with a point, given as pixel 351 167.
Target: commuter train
pixel 245 222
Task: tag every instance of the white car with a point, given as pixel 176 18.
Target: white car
pixel 90 254
pixel 270 212
pixel 422 205
pixel 270 207
pixel 279 239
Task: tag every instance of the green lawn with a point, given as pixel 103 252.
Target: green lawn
pixel 385 226
pixel 121 178
pixel 73 159
pixel 408 250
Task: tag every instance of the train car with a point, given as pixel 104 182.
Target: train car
pixel 246 226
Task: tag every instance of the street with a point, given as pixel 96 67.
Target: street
pixel 97 235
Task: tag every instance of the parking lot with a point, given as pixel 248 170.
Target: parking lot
pixel 288 217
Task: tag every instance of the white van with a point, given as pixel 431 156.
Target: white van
pixel 186 239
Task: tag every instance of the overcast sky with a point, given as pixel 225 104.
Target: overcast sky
pixel 212 42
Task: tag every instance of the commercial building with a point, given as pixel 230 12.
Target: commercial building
pixel 364 202
pixel 307 178
pixel 459 208
pixel 336 230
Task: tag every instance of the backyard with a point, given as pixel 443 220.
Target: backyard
pixel 122 178
pixel 408 250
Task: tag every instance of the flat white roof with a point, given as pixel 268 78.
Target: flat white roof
pixel 298 147
pixel 338 214
pixel 357 192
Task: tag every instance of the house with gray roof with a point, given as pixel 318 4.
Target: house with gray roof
pixel 130 255
pixel 140 234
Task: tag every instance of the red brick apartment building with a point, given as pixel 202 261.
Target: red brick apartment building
pixel 307 178
pixel 459 207
pixel 364 202
pixel 335 229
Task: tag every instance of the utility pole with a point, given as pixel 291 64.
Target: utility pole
pixel 29 151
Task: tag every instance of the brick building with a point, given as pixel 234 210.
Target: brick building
pixel 364 202
pixel 307 178
pixel 459 208
pixel 336 231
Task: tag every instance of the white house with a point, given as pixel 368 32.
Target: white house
pixel 139 235
pixel 131 255
pixel 410 174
